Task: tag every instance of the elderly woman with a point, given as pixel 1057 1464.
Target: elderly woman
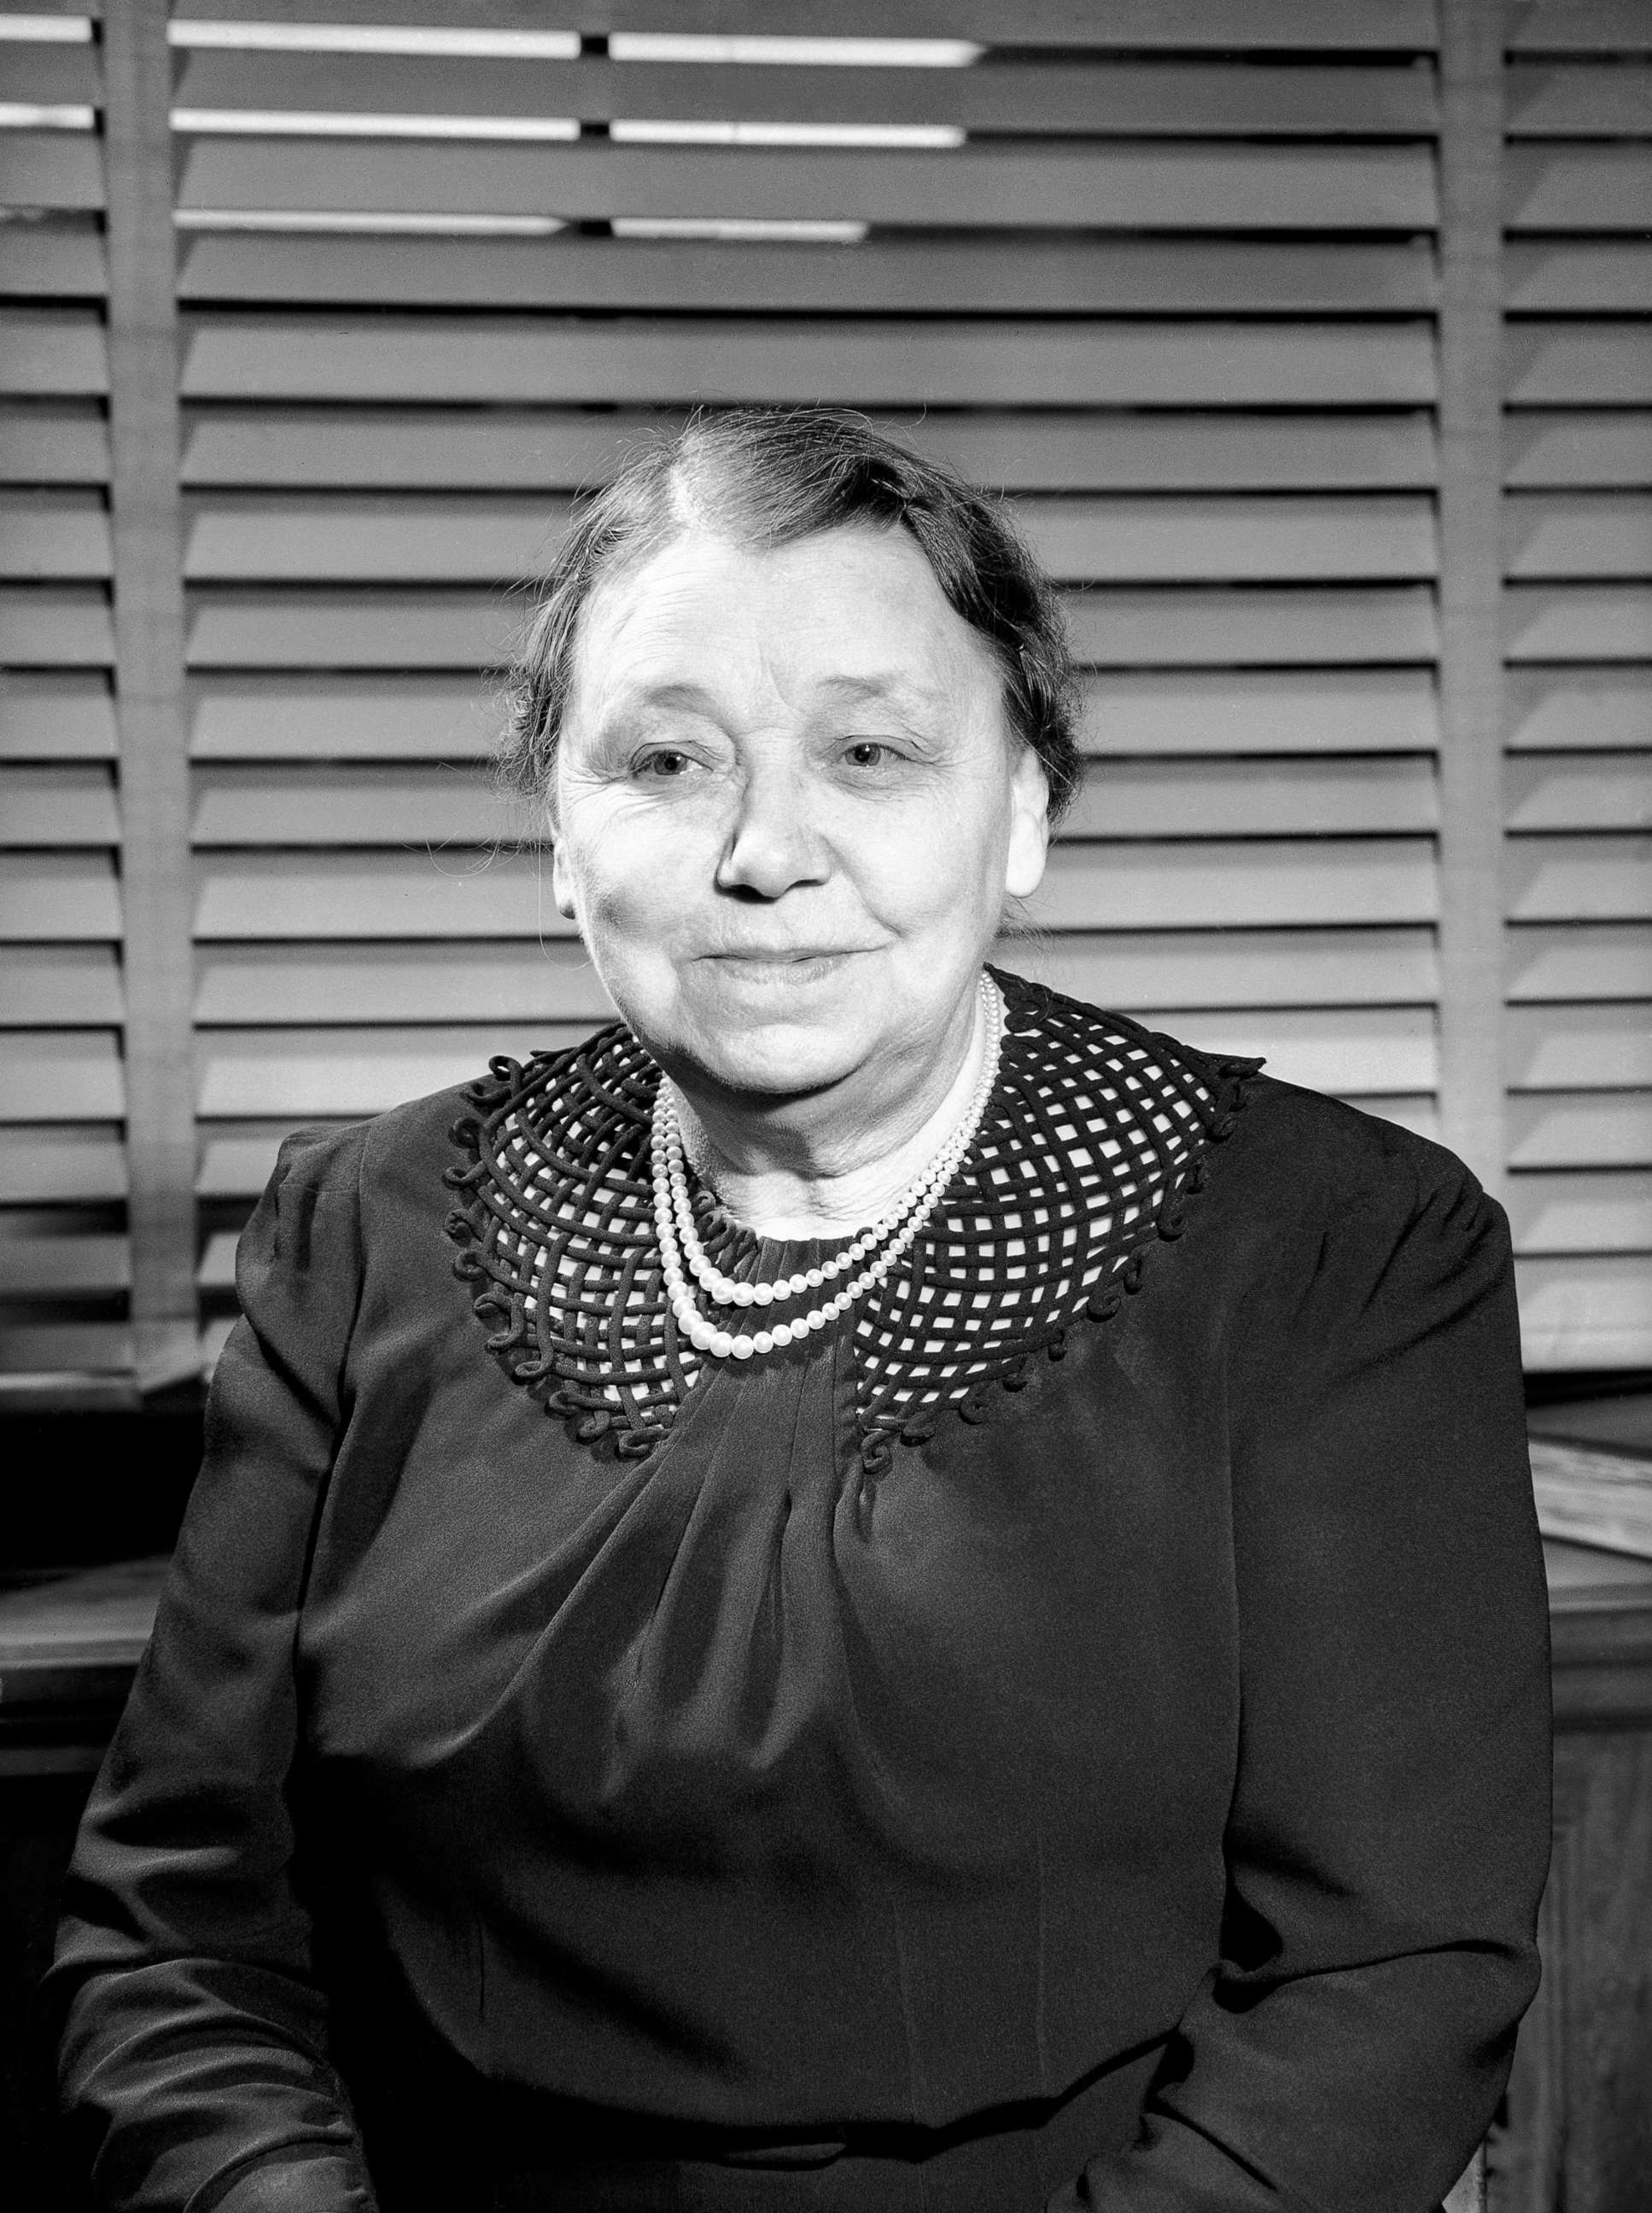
pixel 1013 1675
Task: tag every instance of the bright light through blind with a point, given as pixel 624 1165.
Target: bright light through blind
pixel 48 30
pixel 827 53
pixel 333 124
pixel 377 39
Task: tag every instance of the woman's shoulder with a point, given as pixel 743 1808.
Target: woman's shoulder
pixel 1296 1152
pixel 1329 1154
pixel 420 1132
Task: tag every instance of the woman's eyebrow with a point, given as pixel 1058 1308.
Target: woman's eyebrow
pixel 629 699
pixel 899 691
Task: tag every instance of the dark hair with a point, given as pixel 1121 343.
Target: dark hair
pixel 766 478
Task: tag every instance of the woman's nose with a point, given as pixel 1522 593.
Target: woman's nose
pixel 774 841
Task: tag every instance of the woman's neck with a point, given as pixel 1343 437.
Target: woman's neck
pixel 828 1181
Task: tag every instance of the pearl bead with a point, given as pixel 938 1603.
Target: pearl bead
pixel 885 1240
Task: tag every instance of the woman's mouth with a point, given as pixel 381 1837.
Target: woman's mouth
pixel 790 965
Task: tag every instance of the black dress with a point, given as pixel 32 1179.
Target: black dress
pixel 1077 1736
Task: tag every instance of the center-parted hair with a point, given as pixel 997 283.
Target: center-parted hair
pixel 766 478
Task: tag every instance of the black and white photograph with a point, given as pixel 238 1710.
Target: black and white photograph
pixel 825 1107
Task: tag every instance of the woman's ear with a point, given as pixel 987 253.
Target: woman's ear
pixel 1029 826
pixel 562 882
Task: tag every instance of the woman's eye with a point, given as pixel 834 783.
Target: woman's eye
pixel 867 752
pixel 663 763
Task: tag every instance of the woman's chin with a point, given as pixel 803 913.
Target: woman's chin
pixel 775 1059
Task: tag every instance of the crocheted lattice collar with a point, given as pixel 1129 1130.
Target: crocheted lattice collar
pixel 1096 1133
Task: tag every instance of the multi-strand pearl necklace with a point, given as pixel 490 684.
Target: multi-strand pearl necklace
pixel 880 1247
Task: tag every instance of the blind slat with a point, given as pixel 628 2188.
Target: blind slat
pixel 1579 960
pixel 41 1165
pixel 1555 364
pixel 1067 275
pixel 519 450
pixel 64 1265
pixel 58 895
pixel 1548 278
pixel 1585 879
pixel 52 73
pixel 1398 25
pixel 1147 185
pixel 1246 968
pixel 1010 92
pixel 343 1071
pixel 481 540
pixel 1573 791
pixel 61 718
pixel 1571 100
pixel 1582 708
pixel 58 260
pixel 39 1069
pixel 475 983
pixel 1577 448
pixel 308 806
pixel 1576 26
pixel 1605 1047
pixel 1367 1051
pixel 1265 884
pixel 53 535
pixel 1267 798
pixel 55 629
pixel 53 353
pixel 1585 1313
pixel 1270 713
pixel 76 985
pixel 1245 627
pixel 1558 622
pixel 1579 1129
pixel 51 444
pixel 66 805
pixel 276 896
pixel 1121 629
pixel 364 719
pixel 1598 535
pixel 50 170
pixel 960 363
pixel 1600 188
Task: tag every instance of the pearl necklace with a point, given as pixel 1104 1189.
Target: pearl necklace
pixel 893 1232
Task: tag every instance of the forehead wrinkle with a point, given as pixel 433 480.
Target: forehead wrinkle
pixel 621 673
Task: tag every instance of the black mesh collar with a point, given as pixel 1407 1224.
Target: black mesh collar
pixel 1096 1135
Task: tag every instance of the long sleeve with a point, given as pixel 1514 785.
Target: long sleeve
pixel 1388 1835
pixel 194 2063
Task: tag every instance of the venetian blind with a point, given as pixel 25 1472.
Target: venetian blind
pixel 1193 282
pixel 1577 535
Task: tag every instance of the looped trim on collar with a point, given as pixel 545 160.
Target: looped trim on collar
pixel 1096 1139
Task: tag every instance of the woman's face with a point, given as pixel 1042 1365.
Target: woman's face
pixel 787 811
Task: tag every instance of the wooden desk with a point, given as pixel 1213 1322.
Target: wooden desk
pixel 70 1644
pixel 1578 2131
